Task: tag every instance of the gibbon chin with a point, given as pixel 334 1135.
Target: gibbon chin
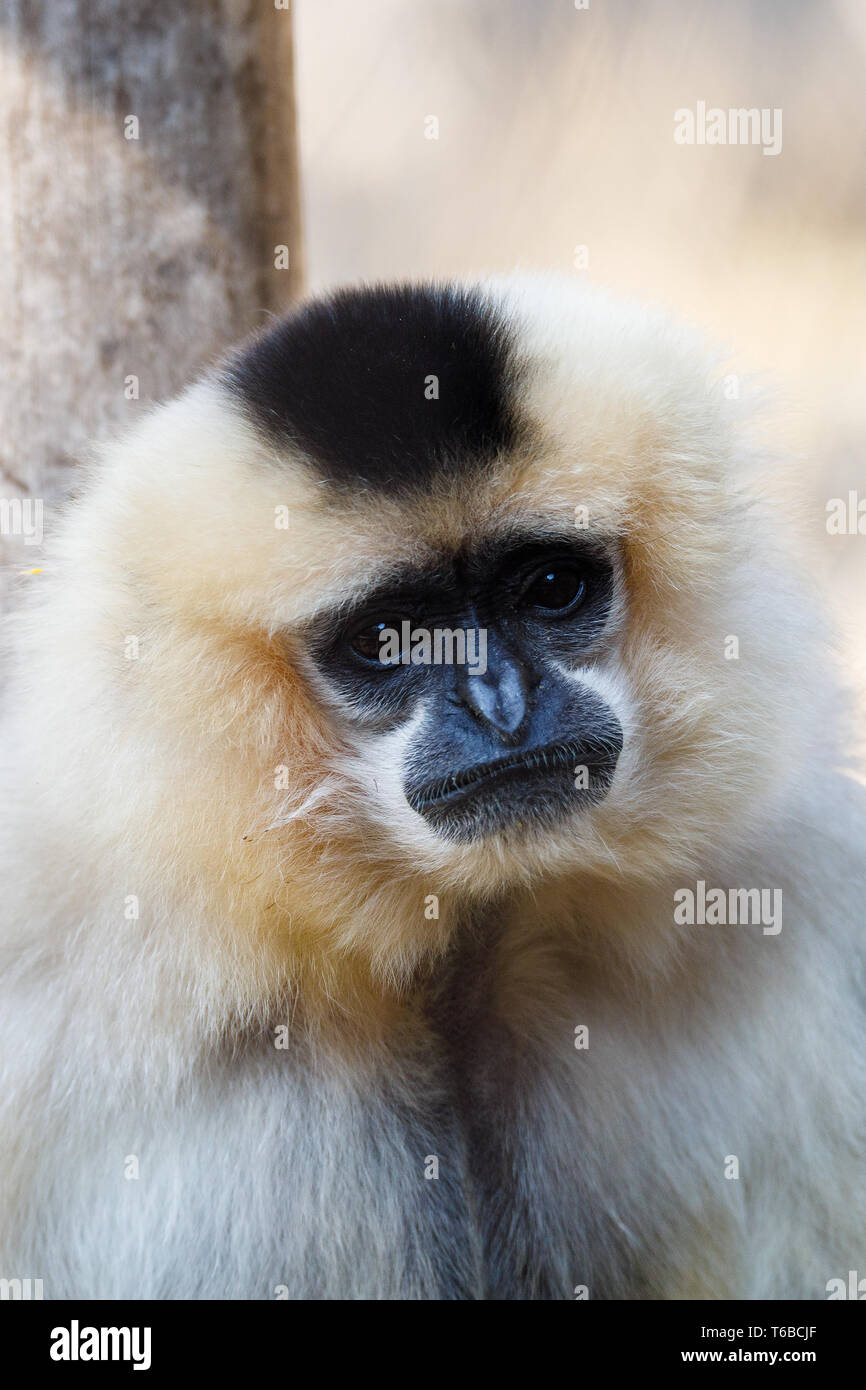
pixel 430 867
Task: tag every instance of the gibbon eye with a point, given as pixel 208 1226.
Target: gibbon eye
pixel 367 642
pixel 556 588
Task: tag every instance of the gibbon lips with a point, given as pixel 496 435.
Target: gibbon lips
pixel 536 783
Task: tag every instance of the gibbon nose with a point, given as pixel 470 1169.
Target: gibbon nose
pixel 500 697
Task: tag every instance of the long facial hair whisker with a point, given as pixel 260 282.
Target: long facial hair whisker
pixel 313 799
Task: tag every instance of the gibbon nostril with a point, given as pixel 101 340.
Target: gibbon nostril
pixel 500 697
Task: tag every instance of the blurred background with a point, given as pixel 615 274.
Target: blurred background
pixel 556 132
pixel 310 125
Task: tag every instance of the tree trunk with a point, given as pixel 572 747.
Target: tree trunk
pixel 148 176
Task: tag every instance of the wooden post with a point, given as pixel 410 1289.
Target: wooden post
pixel 148 179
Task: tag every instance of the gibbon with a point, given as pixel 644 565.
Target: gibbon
pixel 530 967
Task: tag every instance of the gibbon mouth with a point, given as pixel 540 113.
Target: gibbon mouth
pixel 534 784
pixel 453 787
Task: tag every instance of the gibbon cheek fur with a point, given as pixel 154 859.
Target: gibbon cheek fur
pixel 283 934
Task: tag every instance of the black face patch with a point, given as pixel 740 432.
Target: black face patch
pixel 482 587
pixel 385 387
pixel 509 734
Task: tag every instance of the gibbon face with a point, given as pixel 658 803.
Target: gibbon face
pixel 495 734
pixel 523 474
pixel 460 672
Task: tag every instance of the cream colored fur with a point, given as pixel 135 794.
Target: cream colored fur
pixel 304 905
